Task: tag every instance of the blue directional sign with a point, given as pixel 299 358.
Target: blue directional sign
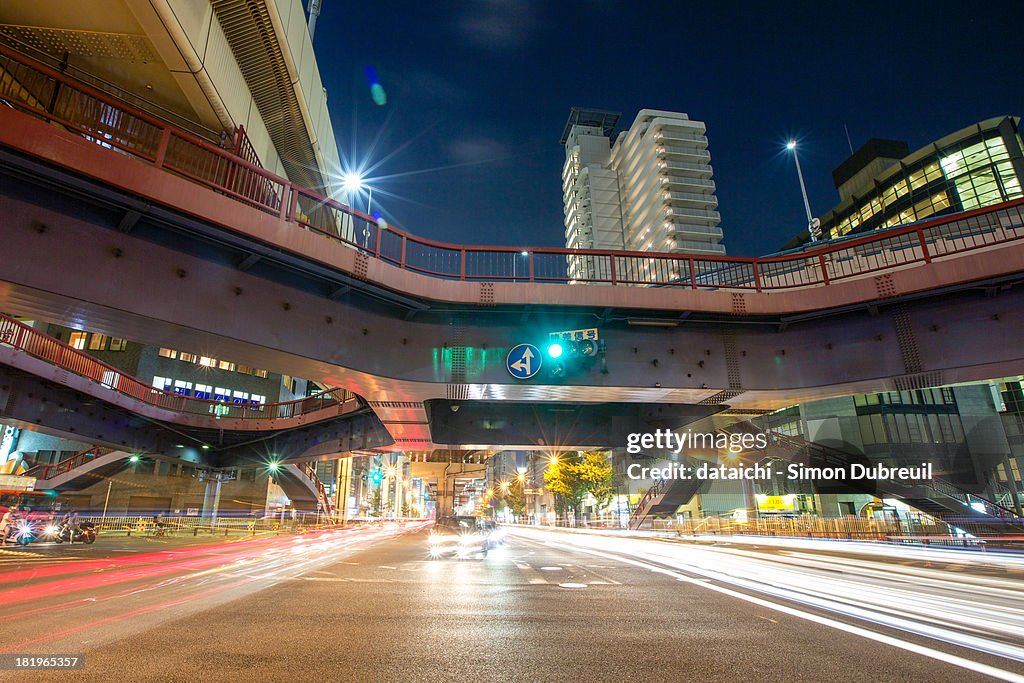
pixel 524 361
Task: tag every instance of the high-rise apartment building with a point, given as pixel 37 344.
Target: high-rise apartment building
pixel 649 188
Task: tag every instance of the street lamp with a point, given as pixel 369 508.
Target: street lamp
pixel 812 223
pixel 353 183
pixel 553 460
pixel 515 264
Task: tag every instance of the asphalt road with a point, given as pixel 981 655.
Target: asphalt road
pixel 369 605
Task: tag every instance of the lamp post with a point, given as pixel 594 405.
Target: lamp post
pixel 515 264
pixel 812 228
pixel 353 183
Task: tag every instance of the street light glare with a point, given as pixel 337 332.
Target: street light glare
pixel 791 144
pixel 352 182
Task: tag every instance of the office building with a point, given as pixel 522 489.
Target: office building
pixel 884 185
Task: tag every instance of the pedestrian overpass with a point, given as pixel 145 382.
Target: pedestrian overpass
pixel 122 223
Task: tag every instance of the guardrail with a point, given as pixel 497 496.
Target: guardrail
pixel 19 336
pixel 41 91
pixel 144 525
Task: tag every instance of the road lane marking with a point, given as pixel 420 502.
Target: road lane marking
pixel 853 629
pixel 533 576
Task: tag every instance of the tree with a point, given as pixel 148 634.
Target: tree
pixel 376 502
pixel 515 498
pixel 595 472
pixel 575 475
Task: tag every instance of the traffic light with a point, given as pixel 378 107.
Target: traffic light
pixel 567 357
pixel 376 477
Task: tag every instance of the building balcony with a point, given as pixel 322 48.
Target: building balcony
pixel 698 247
pixel 670 137
pixel 687 168
pixel 693 199
pixel 694 213
pixel 685 182
pixel 685 153
pixel 684 231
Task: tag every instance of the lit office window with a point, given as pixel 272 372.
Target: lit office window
pixel 168 353
pixel 118 344
pixel 162 383
pixel 226 365
pixel 97 342
pixel 182 387
pixel 1011 183
pixel 240 397
pixel 221 394
pixel 244 370
pixel 260 373
pixel 207 362
pixel 256 398
pixel 188 357
pixel 77 339
pixel 204 391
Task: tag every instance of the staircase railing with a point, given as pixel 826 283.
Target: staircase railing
pixel 321 491
pixel 643 508
pixel 937 484
pixel 51 470
pixel 31 341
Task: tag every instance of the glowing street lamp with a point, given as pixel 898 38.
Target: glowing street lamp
pixel 505 486
pixel 553 460
pixel 352 183
pixel 812 222
pixel 521 477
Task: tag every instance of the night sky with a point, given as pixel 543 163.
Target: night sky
pixel 466 148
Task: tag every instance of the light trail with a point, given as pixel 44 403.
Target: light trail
pixel 94 594
pixel 976 612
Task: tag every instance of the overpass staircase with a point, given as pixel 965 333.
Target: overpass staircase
pixel 936 497
pixel 306 474
pixel 79 470
pixel 663 498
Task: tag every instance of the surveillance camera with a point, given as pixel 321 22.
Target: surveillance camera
pixel 455 408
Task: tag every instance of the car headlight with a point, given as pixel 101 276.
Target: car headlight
pixel 51 530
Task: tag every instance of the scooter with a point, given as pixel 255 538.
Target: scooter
pixel 84 533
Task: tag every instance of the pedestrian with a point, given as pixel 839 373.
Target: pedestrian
pixel 8 524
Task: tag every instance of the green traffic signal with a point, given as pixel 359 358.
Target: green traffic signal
pixel 555 350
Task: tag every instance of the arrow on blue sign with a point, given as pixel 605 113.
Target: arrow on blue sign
pixel 524 361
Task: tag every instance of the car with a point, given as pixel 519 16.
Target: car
pixel 463 537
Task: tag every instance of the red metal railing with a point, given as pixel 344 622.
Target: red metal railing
pixel 41 91
pixel 643 508
pixel 322 498
pixel 67 464
pixel 33 342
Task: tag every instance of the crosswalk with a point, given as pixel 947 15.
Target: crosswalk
pixel 535 573
pixel 12 556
